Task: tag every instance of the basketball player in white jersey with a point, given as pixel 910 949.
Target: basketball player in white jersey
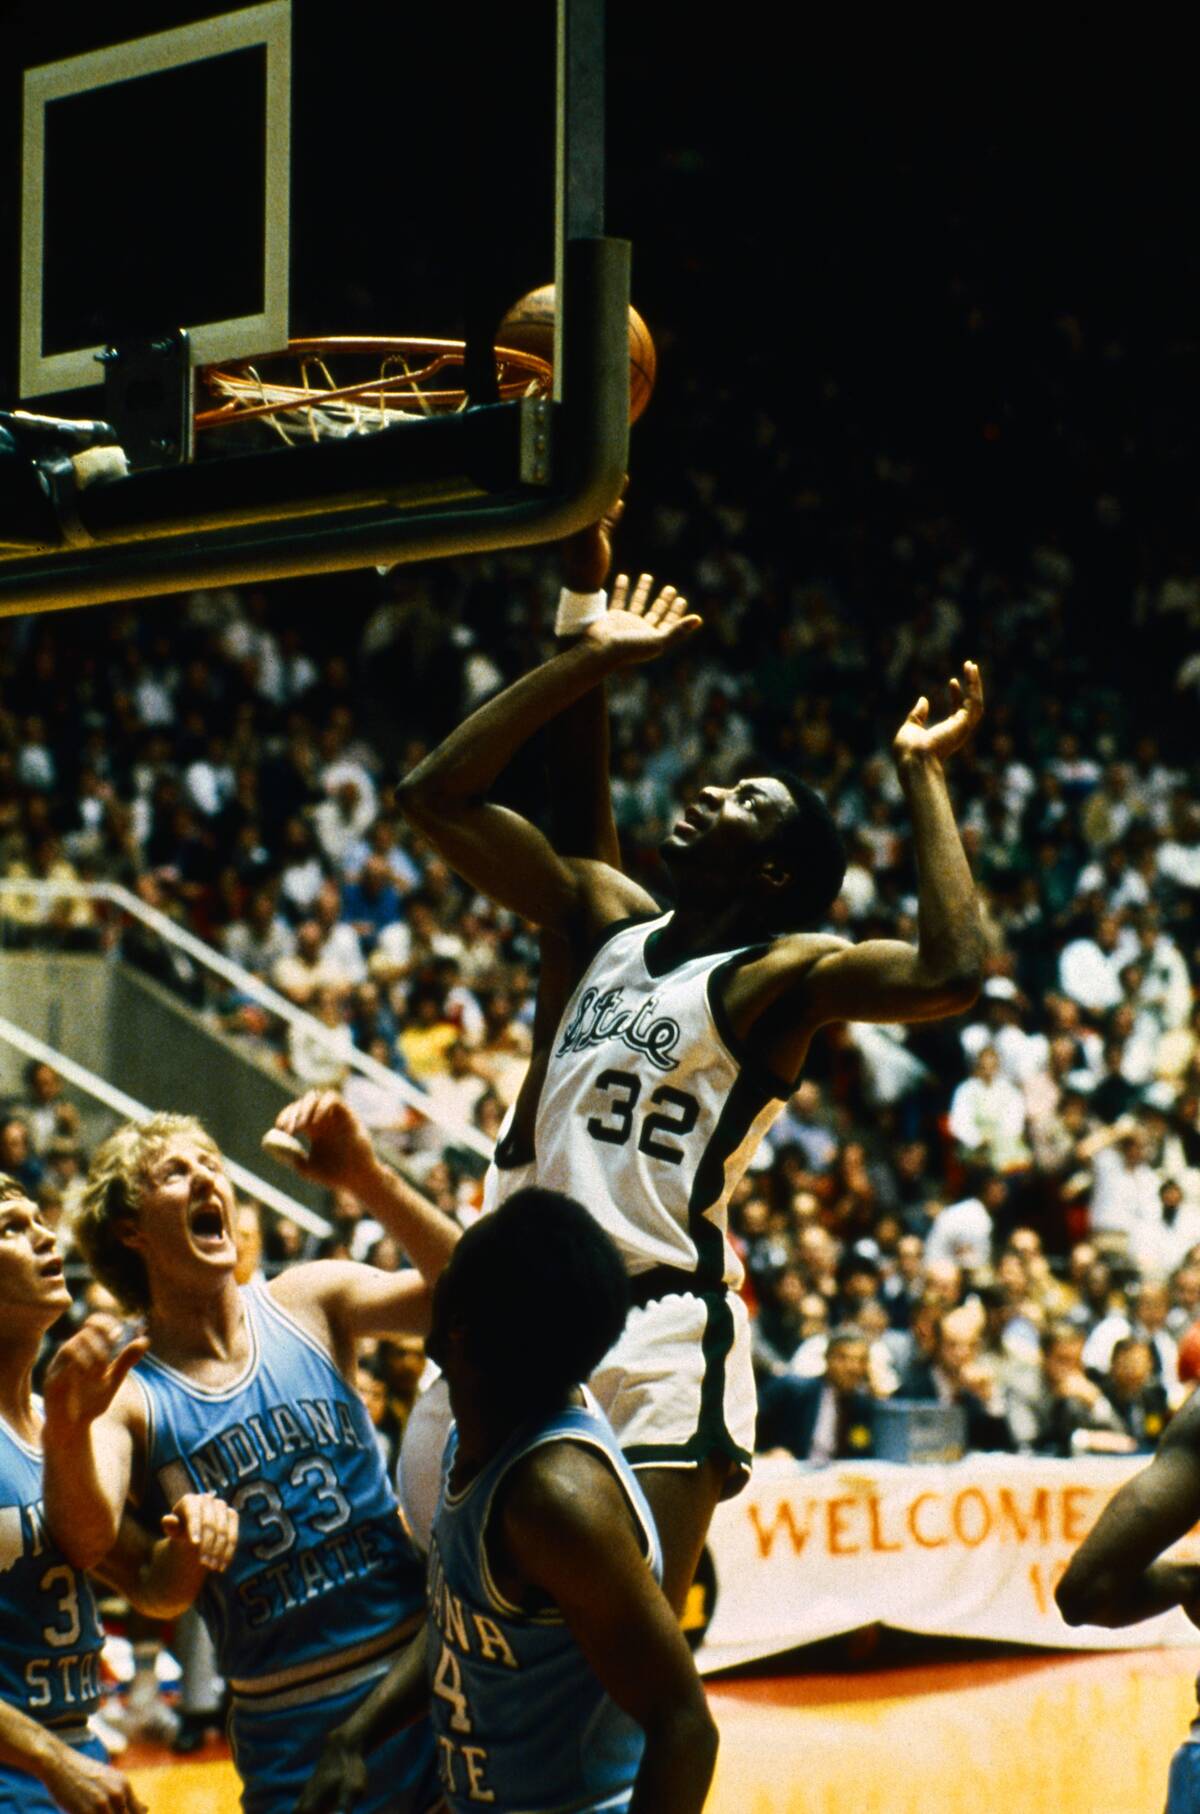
pixel 581 816
pixel 686 1030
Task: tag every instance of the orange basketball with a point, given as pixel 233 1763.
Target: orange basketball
pixel 528 327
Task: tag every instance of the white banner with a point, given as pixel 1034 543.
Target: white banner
pixel 973 1549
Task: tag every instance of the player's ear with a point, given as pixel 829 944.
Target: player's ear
pixel 128 1231
pixel 773 873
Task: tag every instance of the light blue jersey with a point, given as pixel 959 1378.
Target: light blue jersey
pixel 324 1588
pixel 50 1635
pixel 521 1721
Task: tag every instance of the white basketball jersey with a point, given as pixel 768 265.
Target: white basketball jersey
pixel 502 1177
pixel 650 1113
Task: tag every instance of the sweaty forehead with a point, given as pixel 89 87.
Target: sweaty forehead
pixel 182 1145
pixel 771 789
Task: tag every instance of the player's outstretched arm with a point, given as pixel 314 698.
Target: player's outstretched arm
pixel 577 740
pixel 163 1576
pixel 577 771
pixel 341 1157
pixel 1114 1577
pixel 497 851
pixel 88 1439
pixel 78 1784
pixel 567 1528
pixel 341 1773
pixel 885 979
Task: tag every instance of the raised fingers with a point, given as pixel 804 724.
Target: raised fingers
pixel 641 594
pixel 973 689
pixel 299 1113
pixel 95 1353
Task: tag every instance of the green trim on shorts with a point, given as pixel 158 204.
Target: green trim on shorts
pixel 711 1436
pixel 746 1100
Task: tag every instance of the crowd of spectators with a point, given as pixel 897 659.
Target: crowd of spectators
pixel 969 1199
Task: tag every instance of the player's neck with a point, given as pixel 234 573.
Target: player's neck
pixel 18 1355
pixel 696 928
pixel 483 1431
pixel 187 1329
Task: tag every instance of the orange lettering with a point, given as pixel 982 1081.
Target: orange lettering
pixel 784 1520
pixel 1022 1523
pixel 835 1510
pixel 913 1510
pixel 1075 1521
pixel 971 1495
pixel 1044 1584
pixel 877 1538
pixel 1038 1584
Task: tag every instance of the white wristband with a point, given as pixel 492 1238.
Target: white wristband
pixel 576 610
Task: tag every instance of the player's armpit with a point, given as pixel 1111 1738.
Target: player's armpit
pixel 778 1001
pixel 508 859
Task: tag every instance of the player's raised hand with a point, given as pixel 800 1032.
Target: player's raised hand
pixel 86 1373
pixel 917 737
pixel 204 1530
pixel 327 1141
pixel 641 624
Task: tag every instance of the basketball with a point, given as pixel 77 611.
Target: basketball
pixel 528 327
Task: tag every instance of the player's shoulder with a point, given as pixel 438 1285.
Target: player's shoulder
pixel 557 1492
pixel 312 1282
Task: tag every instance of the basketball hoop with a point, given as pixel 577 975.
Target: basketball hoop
pixel 327 389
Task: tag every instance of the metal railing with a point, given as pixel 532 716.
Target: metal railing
pixel 130 1109
pixel 215 963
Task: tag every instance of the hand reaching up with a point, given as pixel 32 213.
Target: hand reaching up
pixel 86 1373
pixel 918 738
pixel 642 624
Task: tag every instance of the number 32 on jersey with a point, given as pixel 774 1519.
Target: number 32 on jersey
pixel 670 1117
